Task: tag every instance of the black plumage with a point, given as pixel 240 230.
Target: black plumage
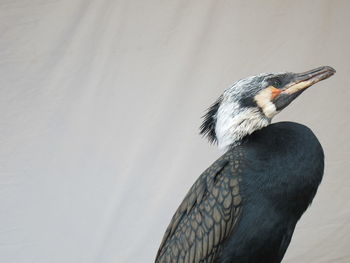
pixel 245 206
pixel 209 120
pixel 248 192
pixel 207 215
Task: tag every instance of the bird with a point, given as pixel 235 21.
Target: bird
pixel 245 206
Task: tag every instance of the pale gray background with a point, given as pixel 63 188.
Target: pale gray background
pixel 100 106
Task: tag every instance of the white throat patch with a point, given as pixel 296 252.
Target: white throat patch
pixel 233 123
pixel 263 100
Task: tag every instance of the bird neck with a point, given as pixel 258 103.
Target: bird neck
pixel 231 128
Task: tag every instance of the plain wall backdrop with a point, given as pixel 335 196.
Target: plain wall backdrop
pixel 100 104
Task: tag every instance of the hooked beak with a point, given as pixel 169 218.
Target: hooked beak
pixel 300 82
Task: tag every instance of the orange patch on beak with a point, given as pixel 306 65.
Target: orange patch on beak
pixel 274 92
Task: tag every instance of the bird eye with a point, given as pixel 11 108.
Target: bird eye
pixel 276 82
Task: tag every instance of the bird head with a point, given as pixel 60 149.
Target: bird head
pixel 251 103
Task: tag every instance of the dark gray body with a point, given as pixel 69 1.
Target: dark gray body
pixel 244 207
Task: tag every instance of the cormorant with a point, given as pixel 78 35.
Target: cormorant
pixel 245 206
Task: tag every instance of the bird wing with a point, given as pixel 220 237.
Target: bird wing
pixel 206 216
